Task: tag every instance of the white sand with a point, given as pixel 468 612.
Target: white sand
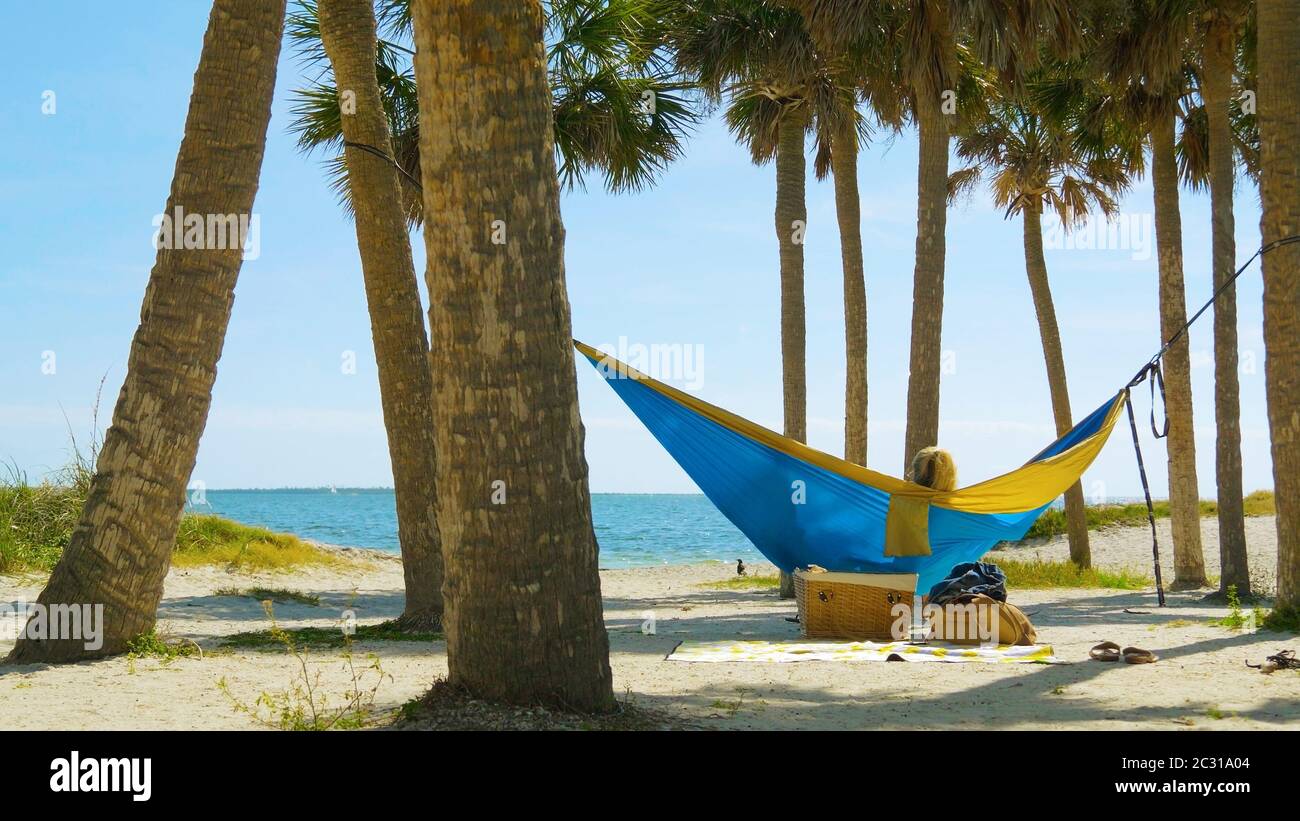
pixel 1200 681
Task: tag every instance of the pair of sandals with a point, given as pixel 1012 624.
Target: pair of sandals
pixel 1110 651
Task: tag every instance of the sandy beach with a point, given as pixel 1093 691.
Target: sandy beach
pixel 1200 682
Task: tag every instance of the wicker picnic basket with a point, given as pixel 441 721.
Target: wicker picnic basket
pixel 851 605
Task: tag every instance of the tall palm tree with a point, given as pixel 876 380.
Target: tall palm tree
pixel 1143 49
pixel 929 36
pixel 523 607
pixel 848 214
pixel 348 33
pixel 866 71
pixel 1216 70
pixel 1279 123
pixel 1036 163
pixel 757 56
pixel 121 548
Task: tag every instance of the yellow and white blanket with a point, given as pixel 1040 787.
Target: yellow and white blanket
pixel 790 651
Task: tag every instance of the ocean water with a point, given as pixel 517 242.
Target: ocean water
pixel 634 530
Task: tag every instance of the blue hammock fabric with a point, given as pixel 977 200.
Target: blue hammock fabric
pixel 840 521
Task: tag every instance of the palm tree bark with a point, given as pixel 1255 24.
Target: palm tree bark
pixel 1218 63
pixel 523 607
pixel 121 548
pixel 1184 497
pixel 791 222
pixel 927 287
pixel 1279 123
pixel 347 29
pixel 1076 517
pixel 844 170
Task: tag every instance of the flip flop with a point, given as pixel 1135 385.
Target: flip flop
pixel 1106 651
pixel 1136 655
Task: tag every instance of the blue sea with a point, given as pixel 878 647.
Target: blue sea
pixel 634 530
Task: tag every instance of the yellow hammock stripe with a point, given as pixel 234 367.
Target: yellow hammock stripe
pixel 1025 488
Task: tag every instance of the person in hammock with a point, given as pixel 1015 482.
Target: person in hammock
pixel 934 468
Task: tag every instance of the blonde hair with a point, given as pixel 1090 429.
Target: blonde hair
pixel 934 468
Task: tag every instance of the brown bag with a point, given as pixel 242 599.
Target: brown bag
pixel 963 626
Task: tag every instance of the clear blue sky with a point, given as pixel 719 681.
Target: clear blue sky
pixel 692 261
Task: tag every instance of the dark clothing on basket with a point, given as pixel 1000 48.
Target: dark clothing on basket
pixel 971 578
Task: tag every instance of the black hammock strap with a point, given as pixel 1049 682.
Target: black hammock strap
pixel 1146 492
pixel 1158 378
pixel 1152 371
pixel 383 155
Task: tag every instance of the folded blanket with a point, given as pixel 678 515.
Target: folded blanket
pixel 790 651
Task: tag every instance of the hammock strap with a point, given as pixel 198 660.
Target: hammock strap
pixel 1146 491
pixel 1158 377
pixel 383 155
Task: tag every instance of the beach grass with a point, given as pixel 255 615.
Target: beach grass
pixel 1052 522
pixel 273 594
pixel 1038 574
pixel 37 520
pixel 745 583
pixel 206 540
pixel 324 636
pixel 1282 620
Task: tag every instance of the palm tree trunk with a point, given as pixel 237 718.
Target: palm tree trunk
pixel 347 29
pixel 1279 123
pixel 1218 60
pixel 523 607
pixel 1184 498
pixel 791 222
pixel 927 287
pixel 844 169
pixel 121 548
pixel 1076 517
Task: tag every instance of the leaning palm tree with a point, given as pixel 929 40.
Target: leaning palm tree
pixel 618 111
pixel 757 57
pixel 1279 123
pixel 523 610
pixel 1036 163
pixel 121 548
pixel 348 33
pixel 929 35
pixel 1142 48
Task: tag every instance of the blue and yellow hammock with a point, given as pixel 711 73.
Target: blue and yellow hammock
pixel 800 506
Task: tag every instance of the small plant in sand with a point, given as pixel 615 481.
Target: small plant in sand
pixel 305 705
pixel 151 645
pixel 1237 618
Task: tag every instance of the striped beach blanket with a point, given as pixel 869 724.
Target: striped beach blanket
pixel 791 651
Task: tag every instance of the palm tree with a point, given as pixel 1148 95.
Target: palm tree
pixel 523 606
pixel 1279 123
pixel 857 72
pixel 1036 163
pixel 757 56
pixel 928 38
pixel 603 62
pixel 348 33
pixel 1216 71
pixel 1142 48
pixel 848 213
pixel 121 548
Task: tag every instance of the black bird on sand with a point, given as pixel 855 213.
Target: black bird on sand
pixel 740 567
